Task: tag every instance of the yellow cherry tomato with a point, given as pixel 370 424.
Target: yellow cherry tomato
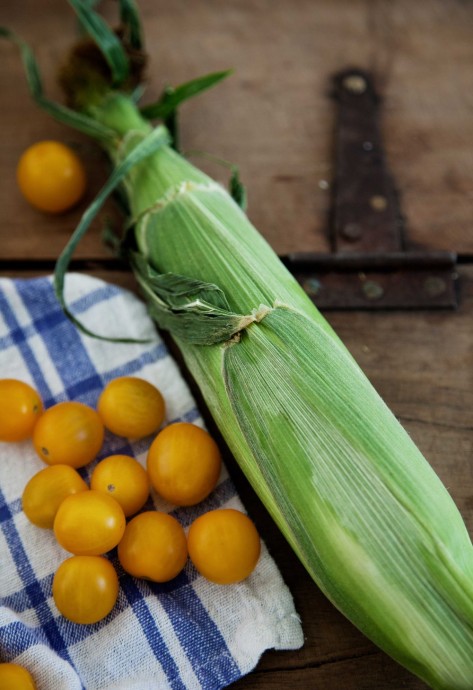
pixel 51 176
pixel 224 545
pixel 153 547
pixel 89 523
pixel 131 407
pixel 183 464
pixel 123 478
pixel 69 433
pixel 85 588
pixel 46 490
pixel 15 677
pixel 20 409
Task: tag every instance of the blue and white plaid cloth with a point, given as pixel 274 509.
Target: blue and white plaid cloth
pixel 188 634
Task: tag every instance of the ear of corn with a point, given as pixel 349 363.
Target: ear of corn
pixel 359 504
pixel 362 508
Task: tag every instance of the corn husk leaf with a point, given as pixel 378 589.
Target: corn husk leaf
pixel 191 309
pixel 107 40
pixel 174 96
pixel 155 140
pixel 131 23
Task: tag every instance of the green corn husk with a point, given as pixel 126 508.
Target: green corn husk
pixel 359 504
pixel 357 501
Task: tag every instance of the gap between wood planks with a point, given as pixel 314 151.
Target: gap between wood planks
pixel 107 264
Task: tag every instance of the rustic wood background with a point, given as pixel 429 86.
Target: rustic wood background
pixel 275 119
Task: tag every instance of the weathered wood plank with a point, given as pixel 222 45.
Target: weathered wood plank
pixel 274 116
pixel 370 672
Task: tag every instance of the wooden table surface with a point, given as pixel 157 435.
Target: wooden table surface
pixel 275 119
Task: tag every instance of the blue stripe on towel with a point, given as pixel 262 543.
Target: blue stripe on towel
pixel 33 589
pixel 196 635
pixel 151 632
pixel 20 339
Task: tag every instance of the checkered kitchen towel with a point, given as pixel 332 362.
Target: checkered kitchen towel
pixel 187 634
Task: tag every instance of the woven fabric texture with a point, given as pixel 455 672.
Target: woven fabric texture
pixel 187 634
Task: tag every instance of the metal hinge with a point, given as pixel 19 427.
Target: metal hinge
pixel 369 266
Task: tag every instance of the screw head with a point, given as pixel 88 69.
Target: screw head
pixel 434 286
pixel 378 202
pixel 351 231
pixel 355 83
pixel 312 286
pixel 372 290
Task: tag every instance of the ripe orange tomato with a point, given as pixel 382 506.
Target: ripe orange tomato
pixel 123 478
pixel 20 409
pixel 51 176
pixel 85 588
pixel 89 523
pixel 183 464
pixel 15 677
pixel 46 490
pixel 69 433
pixel 224 545
pixel 131 407
pixel 153 547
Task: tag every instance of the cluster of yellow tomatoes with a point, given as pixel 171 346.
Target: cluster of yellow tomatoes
pixel 183 466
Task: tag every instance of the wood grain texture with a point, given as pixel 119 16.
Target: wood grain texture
pixel 275 118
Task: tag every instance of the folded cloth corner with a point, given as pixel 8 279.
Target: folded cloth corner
pixel 187 634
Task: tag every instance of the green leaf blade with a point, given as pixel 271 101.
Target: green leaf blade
pixel 155 140
pixel 237 189
pixel 174 96
pixel 190 309
pixel 67 116
pixel 106 40
pixel 130 20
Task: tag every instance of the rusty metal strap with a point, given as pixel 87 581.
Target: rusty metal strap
pixel 369 266
pixel 410 280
